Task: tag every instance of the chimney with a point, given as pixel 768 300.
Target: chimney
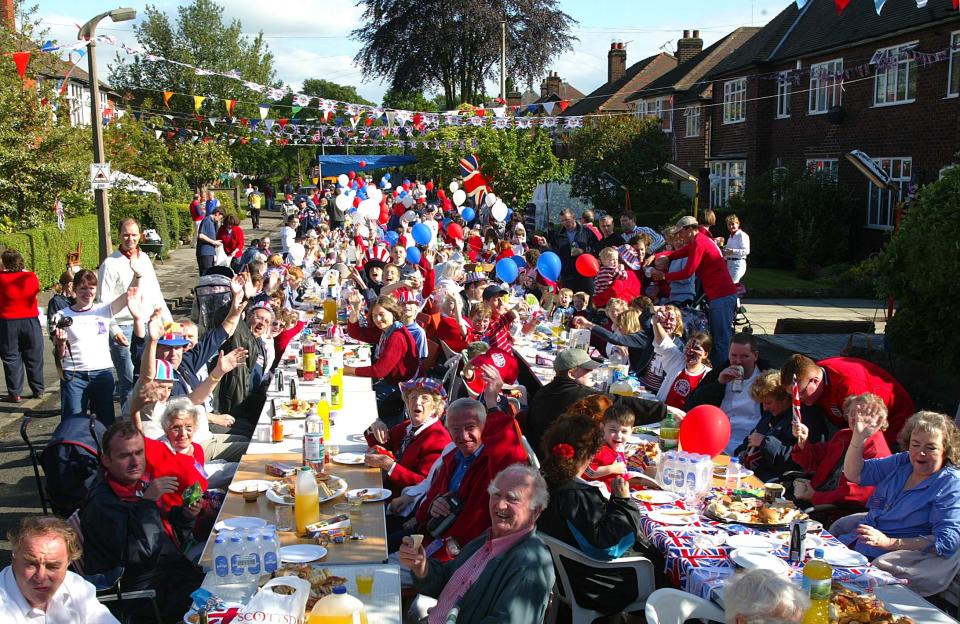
pixel 616 61
pixel 8 14
pixel 689 47
pixel 551 85
pixel 514 97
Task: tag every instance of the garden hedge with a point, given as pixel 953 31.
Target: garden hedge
pixel 44 249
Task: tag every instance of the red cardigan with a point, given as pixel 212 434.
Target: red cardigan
pixel 18 295
pixel 232 240
pixel 501 448
pixel 821 459
pixel 704 258
pixel 448 330
pixel 398 361
pixel 413 465
pixel 163 462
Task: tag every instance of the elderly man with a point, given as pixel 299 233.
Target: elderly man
pixel 123 526
pixel 114 278
pixel 763 596
pixel 630 229
pixel 570 241
pixel 207 243
pixel 571 382
pixel 38 586
pixel 504 575
pixel 241 393
pixel 486 439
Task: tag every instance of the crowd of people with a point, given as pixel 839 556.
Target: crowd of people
pixel 415 283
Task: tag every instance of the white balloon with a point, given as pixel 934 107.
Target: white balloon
pixel 369 209
pixel 459 197
pixel 363 231
pixel 343 202
pixel 408 200
pixel 490 199
pixel 343 179
pixel 499 211
pixel 387 185
pixel 454 186
pixel 374 193
pixel 409 216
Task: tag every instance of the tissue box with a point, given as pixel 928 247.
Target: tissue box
pixel 279 469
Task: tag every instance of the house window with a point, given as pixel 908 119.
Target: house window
pixel 825 79
pixel 692 114
pixel 661 108
pixel 783 95
pixel 734 101
pixel 829 167
pixel 727 178
pixel 895 81
pixel 880 202
pixel 953 82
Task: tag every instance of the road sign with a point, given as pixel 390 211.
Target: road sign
pixel 100 176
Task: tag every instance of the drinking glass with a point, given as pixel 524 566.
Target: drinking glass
pixel 284 517
pixel 364 581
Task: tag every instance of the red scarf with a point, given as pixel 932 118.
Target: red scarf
pixel 133 493
pixel 135 252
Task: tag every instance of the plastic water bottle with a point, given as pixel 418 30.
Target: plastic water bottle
pixel 680 476
pixel 253 555
pixel 313 441
pixel 269 549
pixel 237 567
pixel 732 478
pixel 665 471
pixel 221 560
pixel 691 484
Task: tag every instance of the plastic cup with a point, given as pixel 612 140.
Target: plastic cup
pixel 356 506
pixel 342 509
pixel 284 515
pixel 365 581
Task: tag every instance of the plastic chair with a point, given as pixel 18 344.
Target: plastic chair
pixel 563 590
pixel 672 606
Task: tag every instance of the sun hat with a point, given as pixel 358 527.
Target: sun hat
pixel 427 384
pixel 687 221
pixel 568 359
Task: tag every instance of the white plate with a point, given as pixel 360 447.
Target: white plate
pixel 277 499
pixel 844 557
pixel 751 559
pixel 302 553
pixel 239 487
pixel 637 438
pixel 381 493
pixel 753 541
pixel 661 516
pixel 240 522
pixel 721 471
pixel 350 459
pixel 655 497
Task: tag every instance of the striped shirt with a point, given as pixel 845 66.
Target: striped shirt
pixel 498 334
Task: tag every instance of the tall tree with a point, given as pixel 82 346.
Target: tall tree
pixel 407 100
pixel 318 87
pixel 453 45
pixel 201 38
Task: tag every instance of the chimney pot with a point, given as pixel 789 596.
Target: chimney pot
pixel 686 34
pixel 616 62
pixel 696 34
pixel 688 47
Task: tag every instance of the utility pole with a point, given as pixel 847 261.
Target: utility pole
pixel 503 60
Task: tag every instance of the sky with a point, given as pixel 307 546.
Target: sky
pixel 320 47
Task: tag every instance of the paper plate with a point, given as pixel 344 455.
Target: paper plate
pixel 239 487
pixel 302 553
pixel 370 495
pixel 350 459
pixel 664 516
pixel 277 499
pixel 754 541
pixel 637 438
pixel 240 522
pixel 844 557
pixel 752 559
pixel 655 497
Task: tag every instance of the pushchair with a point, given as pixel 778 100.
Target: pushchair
pixel 211 294
pixel 66 467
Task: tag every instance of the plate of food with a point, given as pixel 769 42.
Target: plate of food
pixel 321 580
pixel 282 492
pixel 654 497
pixel 643 452
pixel 850 606
pixel 673 516
pixel 239 487
pixel 753 559
pixel 753 512
pixel 349 459
pixel 369 495
pixel 294 408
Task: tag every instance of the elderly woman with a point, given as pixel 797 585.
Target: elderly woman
pixel 916 504
pixel 763 596
pixel 414 444
pixel 21 341
pixel 581 515
pixel 395 357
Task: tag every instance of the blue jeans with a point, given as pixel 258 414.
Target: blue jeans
pixel 722 311
pixel 81 391
pixel 123 363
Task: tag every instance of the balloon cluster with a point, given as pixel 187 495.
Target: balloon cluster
pixel 355 195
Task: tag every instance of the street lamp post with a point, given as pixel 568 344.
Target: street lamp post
pixel 89 31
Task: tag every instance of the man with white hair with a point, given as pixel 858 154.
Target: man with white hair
pixel 763 597
pixel 506 574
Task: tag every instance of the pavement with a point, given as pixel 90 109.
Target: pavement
pixel 178 275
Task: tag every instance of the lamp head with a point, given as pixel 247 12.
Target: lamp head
pixel 869 168
pixel 123 14
pixel 680 173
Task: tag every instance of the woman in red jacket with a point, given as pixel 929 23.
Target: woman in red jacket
pixel 395 357
pixel 416 443
pixel 231 235
pixel 21 341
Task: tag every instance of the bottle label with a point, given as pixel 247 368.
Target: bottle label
pixel 253 564
pixel 236 564
pixel 269 562
pixel 312 448
pixel 819 589
pixel 335 394
pixel 221 565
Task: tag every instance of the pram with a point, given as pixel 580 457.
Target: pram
pixel 211 294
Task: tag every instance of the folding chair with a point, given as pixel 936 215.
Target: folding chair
pixel 672 606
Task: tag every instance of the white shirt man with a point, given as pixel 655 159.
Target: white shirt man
pixel 740 408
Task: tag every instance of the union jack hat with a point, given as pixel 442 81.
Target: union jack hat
pixel 504 362
pixel 378 252
pixel 165 371
pixel 173 336
pixel 428 384
pixel 405 295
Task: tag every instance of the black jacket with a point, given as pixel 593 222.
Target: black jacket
pixel 778 443
pixel 639 345
pixel 710 391
pixel 560 244
pixel 551 401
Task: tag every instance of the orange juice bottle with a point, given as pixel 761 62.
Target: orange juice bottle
pixel 336 390
pixel 329 310
pixel 306 500
pixel 338 608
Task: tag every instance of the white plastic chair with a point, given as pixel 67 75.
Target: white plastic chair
pixel 563 590
pixel 672 606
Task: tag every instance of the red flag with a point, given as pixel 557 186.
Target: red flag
pixel 842 4
pixel 480 112
pixel 166 98
pixel 796 400
pixel 563 105
pixel 20 59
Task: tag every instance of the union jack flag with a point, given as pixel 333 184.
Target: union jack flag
pixel 796 401
pixel 474 184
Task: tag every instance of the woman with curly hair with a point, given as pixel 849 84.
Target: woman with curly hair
pixel 580 515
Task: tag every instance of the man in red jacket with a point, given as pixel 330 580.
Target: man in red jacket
pixel 487 441
pixel 829 382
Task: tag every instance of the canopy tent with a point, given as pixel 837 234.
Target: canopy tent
pixel 335 165
pixel 128 182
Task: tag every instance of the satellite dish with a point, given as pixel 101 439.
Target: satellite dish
pixel 869 168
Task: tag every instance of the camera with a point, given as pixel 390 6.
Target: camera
pixel 64 322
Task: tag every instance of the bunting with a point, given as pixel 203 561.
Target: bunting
pixel 264 110
pixel 840 5
pixel 166 98
pixel 20 59
pixel 229 104
pixel 197 101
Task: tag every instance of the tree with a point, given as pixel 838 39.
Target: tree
pixel 410 100
pixel 202 39
pixel 513 162
pixel 453 45
pixel 318 87
pixel 131 147
pixel 201 162
pixel 628 151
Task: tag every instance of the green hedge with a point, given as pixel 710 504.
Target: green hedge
pixel 44 249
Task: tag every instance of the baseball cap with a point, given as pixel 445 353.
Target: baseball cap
pixel 493 290
pixel 569 359
pixel 687 221
pixel 164 371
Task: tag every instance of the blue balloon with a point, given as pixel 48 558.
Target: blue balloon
pixel 413 255
pixel 507 270
pixel 509 213
pixel 386 175
pixel 422 234
pixel 468 214
pixel 519 261
pixel 392 237
pixel 549 265
pixel 447 222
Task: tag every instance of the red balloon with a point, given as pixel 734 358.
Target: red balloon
pixel 384 214
pixel 429 185
pixel 406 186
pixel 363 164
pixel 356 202
pixel 352 174
pixel 441 194
pixel 454 230
pixel 475 243
pixel 705 429
pixel 587 265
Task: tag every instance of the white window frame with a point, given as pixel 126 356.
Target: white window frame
pixel 735 101
pixel 953 86
pixel 823 82
pixel 661 108
pixel 903 73
pixel 692 118
pixel 784 93
pixel 825 166
pixel 727 178
pixel 880 202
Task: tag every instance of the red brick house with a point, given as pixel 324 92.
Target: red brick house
pixel 812 86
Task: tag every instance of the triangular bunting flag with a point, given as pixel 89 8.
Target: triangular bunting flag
pixel 563 104
pixel 244 121
pixel 548 107
pixel 159 133
pixel 197 101
pixel 268 124
pixel 229 104
pixel 283 122
pixel 20 59
pixel 294 110
pixel 879 5
pixel 802 3
pixel 166 98
pixel 264 111
pixel 840 5
pixel 213 121
pixel 199 118
pixel 137 114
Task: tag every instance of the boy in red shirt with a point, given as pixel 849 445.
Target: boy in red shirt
pixel 610 461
